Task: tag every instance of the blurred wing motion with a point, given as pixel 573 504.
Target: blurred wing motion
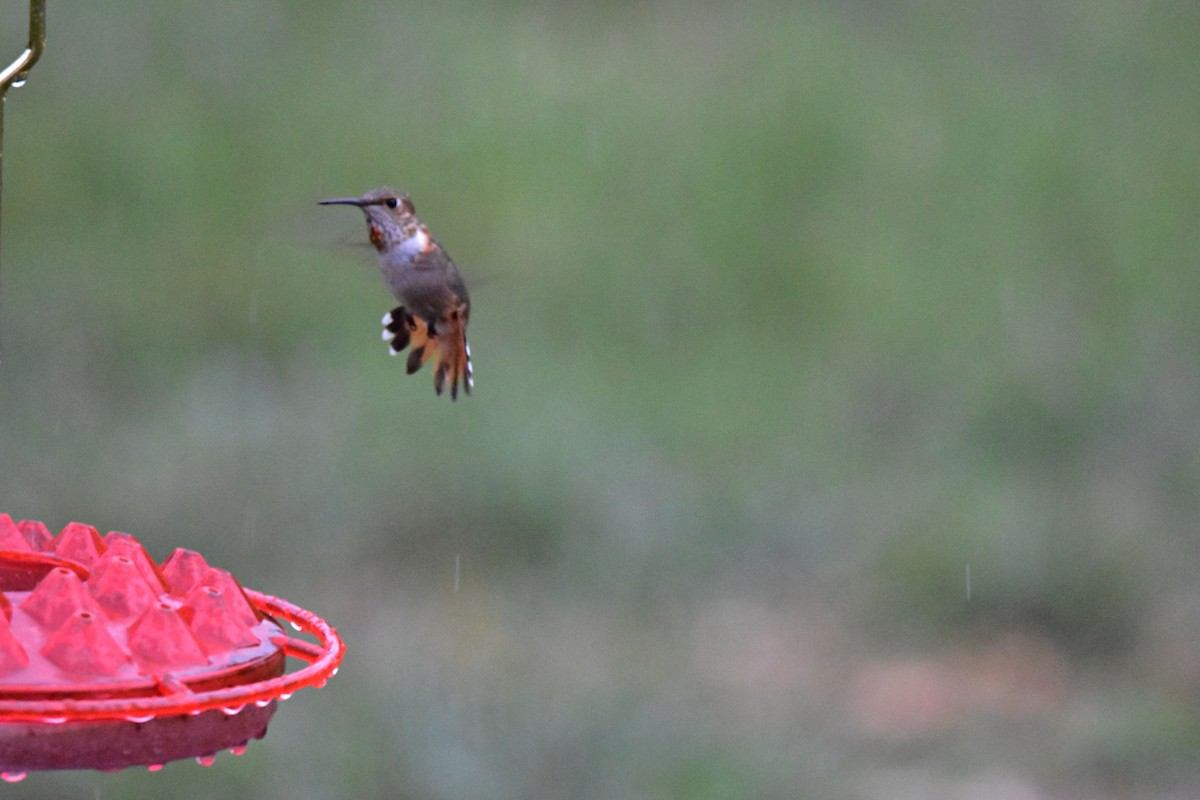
pixel 445 341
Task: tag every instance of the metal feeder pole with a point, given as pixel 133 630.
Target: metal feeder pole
pixel 16 73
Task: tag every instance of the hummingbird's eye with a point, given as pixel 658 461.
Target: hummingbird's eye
pixel 391 202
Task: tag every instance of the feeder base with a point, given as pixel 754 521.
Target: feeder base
pixel 112 745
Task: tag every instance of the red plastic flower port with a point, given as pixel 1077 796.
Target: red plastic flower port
pixel 109 660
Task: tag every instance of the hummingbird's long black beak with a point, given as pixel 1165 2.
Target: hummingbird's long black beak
pixel 343 201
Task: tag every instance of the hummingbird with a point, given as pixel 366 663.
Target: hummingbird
pixel 431 319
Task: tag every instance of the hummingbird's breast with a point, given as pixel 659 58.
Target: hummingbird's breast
pixel 422 278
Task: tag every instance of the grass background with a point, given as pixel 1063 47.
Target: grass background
pixel 835 431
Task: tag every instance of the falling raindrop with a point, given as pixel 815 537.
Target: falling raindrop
pixel 968 582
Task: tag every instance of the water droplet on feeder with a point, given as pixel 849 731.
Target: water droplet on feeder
pixel 12 777
pixel 206 761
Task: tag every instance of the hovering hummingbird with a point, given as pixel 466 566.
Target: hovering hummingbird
pixel 434 307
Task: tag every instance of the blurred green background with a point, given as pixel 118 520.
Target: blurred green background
pixel 838 383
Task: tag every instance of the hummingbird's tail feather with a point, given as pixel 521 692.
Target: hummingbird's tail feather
pixel 453 356
pixel 417 359
pixel 419 339
pixel 445 343
pixel 397 329
pixel 402 330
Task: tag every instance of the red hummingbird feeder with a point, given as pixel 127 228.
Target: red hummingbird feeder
pixel 110 660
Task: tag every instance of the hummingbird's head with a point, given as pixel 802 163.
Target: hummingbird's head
pixel 391 217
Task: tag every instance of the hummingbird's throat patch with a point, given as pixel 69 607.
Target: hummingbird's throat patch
pixel 376 237
pixel 419 241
